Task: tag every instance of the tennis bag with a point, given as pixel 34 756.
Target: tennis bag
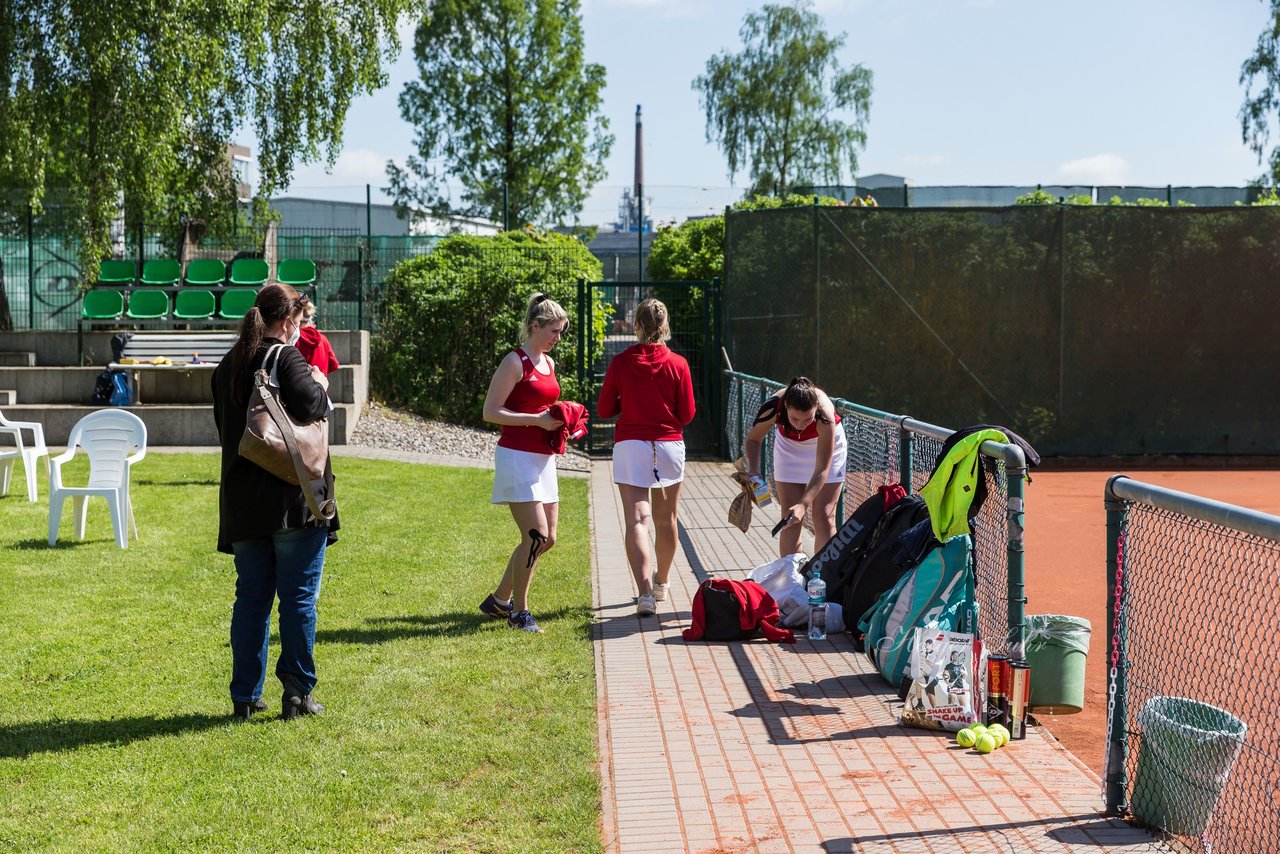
pixel 937 592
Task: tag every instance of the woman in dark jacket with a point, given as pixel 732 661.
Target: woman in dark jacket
pixel 278 544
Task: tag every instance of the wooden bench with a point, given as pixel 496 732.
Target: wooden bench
pixel 179 348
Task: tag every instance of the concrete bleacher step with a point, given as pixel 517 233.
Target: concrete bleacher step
pixel 17 359
pixel 8 396
pixel 167 424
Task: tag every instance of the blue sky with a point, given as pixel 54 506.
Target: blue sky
pixel 1137 92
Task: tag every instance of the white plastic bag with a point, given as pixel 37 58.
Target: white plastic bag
pixel 778 575
pixel 947 669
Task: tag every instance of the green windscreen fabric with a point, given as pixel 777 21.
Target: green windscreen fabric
pixel 1089 330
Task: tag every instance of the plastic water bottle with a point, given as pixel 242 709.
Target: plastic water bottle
pixel 817 608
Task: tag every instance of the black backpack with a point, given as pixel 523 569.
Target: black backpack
pixel 885 557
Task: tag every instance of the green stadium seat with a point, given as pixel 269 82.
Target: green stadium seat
pixel 148 304
pixel 236 302
pixel 161 272
pixel 249 273
pixel 194 305
pixel 206 273
pixel 102 304
pixel 115 272
pixel 296 272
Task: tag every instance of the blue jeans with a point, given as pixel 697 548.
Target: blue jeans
pixel 288 564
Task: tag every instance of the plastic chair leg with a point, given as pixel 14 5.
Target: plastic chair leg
pixel 55 516
pixel 6 473
pixel 119 523
pixel 29 466
pixel 81 513
pixel 133 523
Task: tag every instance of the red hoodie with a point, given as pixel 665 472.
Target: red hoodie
pixel 653 389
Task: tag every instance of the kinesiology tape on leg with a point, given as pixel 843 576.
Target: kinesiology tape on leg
pixel 536 539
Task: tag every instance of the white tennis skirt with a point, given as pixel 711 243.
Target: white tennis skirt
pixel 520 476
pixel 793 461
pixel 634 461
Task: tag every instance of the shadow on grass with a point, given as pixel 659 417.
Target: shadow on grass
pixel 148 482
pixel 448 624
pixel 43 543
pixel 21 740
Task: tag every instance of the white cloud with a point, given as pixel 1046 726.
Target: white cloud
pixel 1098 169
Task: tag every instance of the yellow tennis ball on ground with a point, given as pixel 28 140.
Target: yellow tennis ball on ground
pixel 1000 738
pixel 1004 733
pixel 978 729
pixel 986 743
pixel 966 738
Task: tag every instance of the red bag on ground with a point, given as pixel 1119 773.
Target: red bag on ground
pixel 730 610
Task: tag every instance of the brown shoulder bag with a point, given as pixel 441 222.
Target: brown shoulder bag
pixel 295 453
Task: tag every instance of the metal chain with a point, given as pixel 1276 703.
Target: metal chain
pixel 1114 670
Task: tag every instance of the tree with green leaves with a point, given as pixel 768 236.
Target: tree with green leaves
pixel 772 106
pixel 505 103
pixel 1260 77
pixel 135 102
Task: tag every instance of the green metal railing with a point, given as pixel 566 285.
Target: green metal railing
pixel 885 448
pixel 1192 611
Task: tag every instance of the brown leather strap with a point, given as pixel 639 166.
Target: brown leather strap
pixel 311 489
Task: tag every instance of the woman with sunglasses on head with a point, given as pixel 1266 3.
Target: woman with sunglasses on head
pixel 652 389
pixel 520 394
pixel 809 453
pixel 279 545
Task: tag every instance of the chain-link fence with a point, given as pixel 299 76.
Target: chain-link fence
pixel 1089 330
pixel 40 274
pixel 886 448
pixel 1193 741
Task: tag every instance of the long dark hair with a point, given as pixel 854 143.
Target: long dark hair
pixel 275 303
pixel 802 395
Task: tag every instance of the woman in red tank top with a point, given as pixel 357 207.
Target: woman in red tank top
pixel 809 455
pixel 524 478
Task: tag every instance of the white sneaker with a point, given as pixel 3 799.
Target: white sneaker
pixel 646 606
pixel 659 590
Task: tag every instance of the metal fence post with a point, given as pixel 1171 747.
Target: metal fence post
pixel 905 463
pixel 716 344
pixel 31 268
pixel 1116 784
pixel 1015 469
pixel 740 434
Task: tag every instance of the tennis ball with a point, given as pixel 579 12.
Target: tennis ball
pixel 978 729
pixel 1000 738
pixel 966 738
pixel 986 743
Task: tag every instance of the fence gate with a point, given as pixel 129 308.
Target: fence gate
pixel 694 308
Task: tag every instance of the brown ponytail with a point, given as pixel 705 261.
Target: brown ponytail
pixel 275 303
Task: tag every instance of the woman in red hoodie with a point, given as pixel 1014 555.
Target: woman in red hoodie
pixel 652 389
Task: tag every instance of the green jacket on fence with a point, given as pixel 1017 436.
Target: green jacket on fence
pixel 949 492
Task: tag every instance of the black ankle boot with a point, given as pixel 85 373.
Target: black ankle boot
pixel 244 711
pixel 295 704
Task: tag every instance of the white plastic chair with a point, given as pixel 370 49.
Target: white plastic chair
pixel 113 439
pixel 29 452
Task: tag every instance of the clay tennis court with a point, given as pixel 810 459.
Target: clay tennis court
pixel 1066 566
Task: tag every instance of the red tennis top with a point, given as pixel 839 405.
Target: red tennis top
pixel 533 395
pixel 785 428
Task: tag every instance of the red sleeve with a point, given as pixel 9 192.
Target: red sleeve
pixel 610 403
pixel 326 359
pixel 684 395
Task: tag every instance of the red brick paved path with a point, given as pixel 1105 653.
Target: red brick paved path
pixel 759 747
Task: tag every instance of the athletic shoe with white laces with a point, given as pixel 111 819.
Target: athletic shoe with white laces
pixel 524 621
pixel 646 606
pixel 659 590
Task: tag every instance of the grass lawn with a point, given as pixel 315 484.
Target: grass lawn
pixel 445 731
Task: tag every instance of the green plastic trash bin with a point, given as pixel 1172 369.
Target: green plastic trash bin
pixel 1057 647
pixel 1185 757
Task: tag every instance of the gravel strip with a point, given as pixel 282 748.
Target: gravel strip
pixel 383 427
